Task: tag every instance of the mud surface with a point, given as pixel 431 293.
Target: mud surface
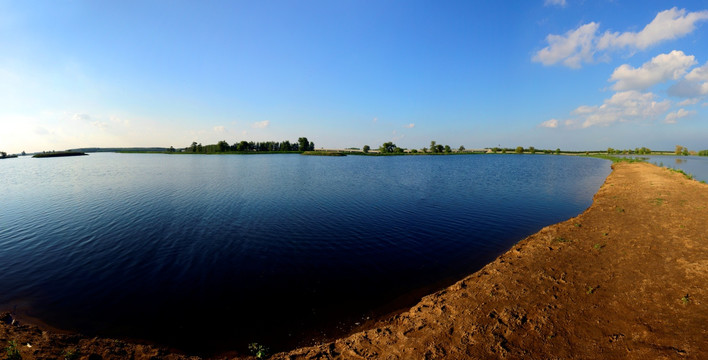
pixel 624 280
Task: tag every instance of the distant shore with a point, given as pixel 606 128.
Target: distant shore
pixel 623 280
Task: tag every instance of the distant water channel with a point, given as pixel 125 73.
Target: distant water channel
pixel 210 253
pixel 697 166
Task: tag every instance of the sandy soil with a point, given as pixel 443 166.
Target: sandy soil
pixel 627 279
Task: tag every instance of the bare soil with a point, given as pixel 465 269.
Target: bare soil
pixel 627 279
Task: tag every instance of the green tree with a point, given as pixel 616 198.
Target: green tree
pixel 171 149
pixel 532 149
pixel 679 149
pixel 414 151
pixel 519 150
pixel 194 146
pixel 425 149
pixel 503 151
pixel 433 147
pixel 462 148
pixel 684 152
pixel 495 150
pixel 222 146
pixel 387 147
pixel 303 144
pixel 448 149
pixel 558 151
pixel 610 151
pixel 366 149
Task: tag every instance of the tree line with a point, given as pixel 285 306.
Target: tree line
pixel 222 146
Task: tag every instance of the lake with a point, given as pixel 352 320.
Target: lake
pixel 210 253
pixel 694 165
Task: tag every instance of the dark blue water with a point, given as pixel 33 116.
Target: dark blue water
pixel 210 253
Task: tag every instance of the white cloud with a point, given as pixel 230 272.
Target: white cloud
pixel 569 122
pixel 693 85
pixel 689 102
pixel 220 129
pixel 571 49
pixel 552 123
pixel 672 117
pixel 667 25
pixel 661 68
pixel 554 2
pixel 261 124
pixel 409 126
pixel 623 106
pixel 375 120
pixel 81 117
pixel 580 45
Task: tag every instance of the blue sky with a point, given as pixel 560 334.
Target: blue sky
pixel 571 74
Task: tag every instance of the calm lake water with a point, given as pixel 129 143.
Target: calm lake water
pixel 694 165
pixel 210 253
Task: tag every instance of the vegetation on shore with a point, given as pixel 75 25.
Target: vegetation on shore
pixel 4 155
pixel 58 154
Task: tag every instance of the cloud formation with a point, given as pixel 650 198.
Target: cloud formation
pixel 560 3
pixel 672 117
pixel 623 106
pixel 660 69
pixel 581 45
pixel 261 124
pixel 409 126
pixel 553 123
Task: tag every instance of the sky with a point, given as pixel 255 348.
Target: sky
pixel 575 75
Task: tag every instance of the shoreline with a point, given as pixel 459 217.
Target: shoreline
pixel 624 279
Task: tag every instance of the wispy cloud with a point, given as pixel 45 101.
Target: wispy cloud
pixel 409 126
pixel 623 106
pixel 261 124
pixel 560 3
pixel 582 44
pixel 552 123
pixel 672 117
pixel 693 85
pixel 220 129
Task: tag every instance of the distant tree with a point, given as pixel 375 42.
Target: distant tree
pixel 519 150
pixel 503 151
pixel 684 152
pixel 222 146
pixel 171 149
pixel 242 146
pixel 462 148
pixel 303 143
pixel 448 149
pixel 558 151
pixel 495 150
pixel 414 151
pixel 23 153
pixel 398 150
pixel 387 147
pixel 679 149
pixel 194 147
pixel 433 147
pixel 199 147
pixel 366 149
pixel 425 149
pixel 610 151
pixel 532 149
pixel 312 146
pixel 439 148
pixel 3 154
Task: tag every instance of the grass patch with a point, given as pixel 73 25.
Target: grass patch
pixel 598 246
pixel 578 225
pixel 658 201
pixel 591 289
pixel 618 159
pixel 685 299
pixel 619 209
pixel 11 351
pixel 562 240
pixel 70 354
pixel 324 153
pixel 258 351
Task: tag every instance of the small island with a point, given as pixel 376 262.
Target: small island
pixel 59 154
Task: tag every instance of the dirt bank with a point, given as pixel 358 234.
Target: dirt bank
pixel 626 279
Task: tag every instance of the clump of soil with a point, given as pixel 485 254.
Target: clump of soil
pixel 624 280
